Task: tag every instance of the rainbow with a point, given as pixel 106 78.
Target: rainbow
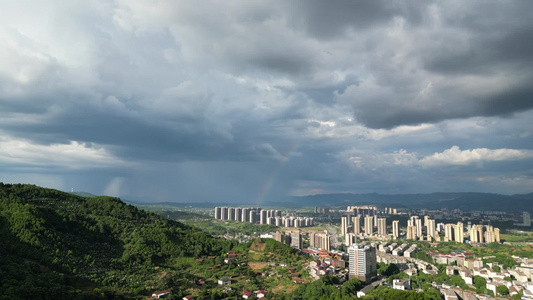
pixel 267 185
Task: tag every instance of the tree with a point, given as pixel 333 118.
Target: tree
pixel 351 287
pixel 502 290
pixel 456 280
pixel 432 294
pixel 480 283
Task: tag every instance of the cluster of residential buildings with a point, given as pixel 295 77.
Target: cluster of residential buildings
pixel 360 259
pixel 366 221
pixel 364 225
pixel 321 240
pixel 326 263
pixel 293 238
pixel 261 216
pixel 429 231
pixel 463 264
pixel 417 229
pixel 371 210
pixel 517 279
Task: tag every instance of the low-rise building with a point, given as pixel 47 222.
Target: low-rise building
pixel 466 275
pixel 161 294
pixel 401 284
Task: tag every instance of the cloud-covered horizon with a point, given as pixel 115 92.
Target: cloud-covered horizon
pixel 178 101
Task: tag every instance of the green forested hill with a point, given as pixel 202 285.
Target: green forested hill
pixel 58 245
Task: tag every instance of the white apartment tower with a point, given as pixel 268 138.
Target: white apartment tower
pixel 430 229
pixel 526 217
pixel 362 262
pixel 459 232
pixel 356 225
pixel 382 226
pixel 369 225
pixel 395 229
pixel 344 225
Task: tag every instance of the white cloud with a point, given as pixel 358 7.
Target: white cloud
pixel 370 160
pixel 456 156
pixel 347 127
pixel 70 156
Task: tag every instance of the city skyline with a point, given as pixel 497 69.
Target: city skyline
pixel 251 102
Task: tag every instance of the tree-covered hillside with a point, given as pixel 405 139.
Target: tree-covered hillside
pixel 59 245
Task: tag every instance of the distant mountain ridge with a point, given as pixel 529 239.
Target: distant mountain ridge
pixel 460 200
pixel 451 200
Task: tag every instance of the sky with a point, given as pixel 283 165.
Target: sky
pixel 250 101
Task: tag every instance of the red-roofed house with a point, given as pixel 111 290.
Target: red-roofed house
pixel 246 294
pixel 260 294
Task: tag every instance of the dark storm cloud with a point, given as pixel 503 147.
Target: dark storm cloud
pixel 495 52
pixel 479 63
pixel 136 137
pixel 327 20
pixel 214 101
pixel 393 109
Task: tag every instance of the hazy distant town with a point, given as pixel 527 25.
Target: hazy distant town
pixel 367 235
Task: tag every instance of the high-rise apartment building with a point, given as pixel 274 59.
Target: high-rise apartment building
pixel 489 235
pixel 418 224
pixel 411 229
pixel 349 239
pixel 296 239
pixel 356 225
pixel 362 262
pixel 218 213
pixel 382 226
pixel 320 240
pixel 223 213
pixel 526 219
pixel 369 225
pixel 430 229
pixel 282 237
pixel 245 215
pixel 426 218
pixel 459 233
pixel 238 214
pixel 395 229
pixel 411 232
pixel 449 231
pixel 263 214
pixel 252 216
pixel 497 235
pixel 344 226
pixel 476 234
pixel 231 213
